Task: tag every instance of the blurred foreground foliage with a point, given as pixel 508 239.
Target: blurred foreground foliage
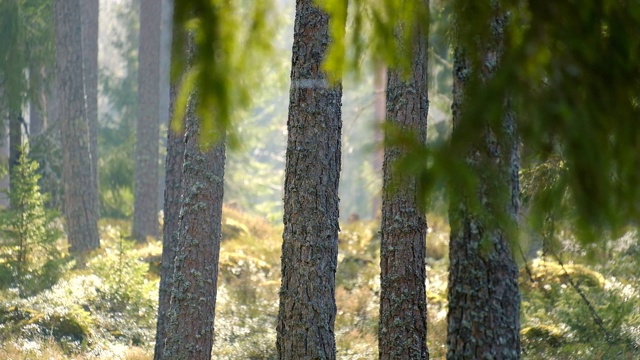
pixel 570 71
pixel 557 61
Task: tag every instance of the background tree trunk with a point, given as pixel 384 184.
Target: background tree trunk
pixel 403 304
pixel 171 205
pixel 15 148
pixel 484 302
pixel 310 242
pixel 145 217
pixel 380 115
pixel 80 198
pixel 37 104
pixel 90 28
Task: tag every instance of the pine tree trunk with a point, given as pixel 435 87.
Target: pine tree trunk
pixel 310 240
pixel 380 115
pixel 145 218
pixel 15 149
pixel 80 198
pixel 36 120
pixel 37 105
pixel 484 301
pixel 4 157
pixel 403 303
pixel 172 193
pixel 90 28
pixel 165 90
pixel 195 276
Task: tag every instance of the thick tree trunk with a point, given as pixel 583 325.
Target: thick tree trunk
pixel 145 217
pixel 310 241
pixel 195 275
pixel 484 301
pixel 172 194
pixel 80 198
pixel 191 310
pixel 90 28
pixel 403 303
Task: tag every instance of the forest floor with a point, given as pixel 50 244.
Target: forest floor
pixel 586 308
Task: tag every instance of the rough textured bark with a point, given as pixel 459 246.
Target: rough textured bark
pixel 90 28
pixel 403 304
pixel 195 275
pixel 172 193
pixel 197 248
pixel 484 301
pixel 310 240
pixel 145 217
pixel 80 198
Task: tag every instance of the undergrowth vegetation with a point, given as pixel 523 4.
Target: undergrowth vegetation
pixel 578 309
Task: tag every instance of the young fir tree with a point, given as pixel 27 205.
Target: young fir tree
pixel 30 233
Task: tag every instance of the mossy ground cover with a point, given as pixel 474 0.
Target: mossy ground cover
pixel 107 311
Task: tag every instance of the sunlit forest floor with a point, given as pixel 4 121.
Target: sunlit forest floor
pixel 587 309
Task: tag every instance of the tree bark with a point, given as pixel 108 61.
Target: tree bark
pixel 145 217
pixel 171 205
pixel 307 312
pixel 15 149
pixel 191 310
pixel 484 301
pixel 380 114
pixel 37 104
pixel 90 28
pixel 80 198
pixel 403 304
pixel 165 90
pixel 172 194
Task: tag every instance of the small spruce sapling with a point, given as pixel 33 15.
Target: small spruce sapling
pixel 29 233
